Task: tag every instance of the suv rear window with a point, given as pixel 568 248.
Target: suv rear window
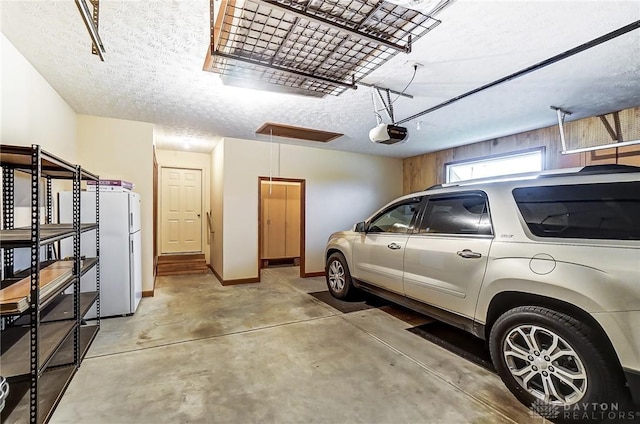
pixel 590 211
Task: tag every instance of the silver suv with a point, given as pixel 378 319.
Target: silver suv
pixel 545 268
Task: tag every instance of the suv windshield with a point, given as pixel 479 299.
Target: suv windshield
pixel 590 211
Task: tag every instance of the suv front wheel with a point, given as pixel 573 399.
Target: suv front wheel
pixel 550 361
pixel 339 277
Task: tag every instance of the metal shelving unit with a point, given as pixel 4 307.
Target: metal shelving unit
pixel 43 343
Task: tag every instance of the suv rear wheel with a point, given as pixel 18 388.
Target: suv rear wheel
pixel 550 361
pixel 339 277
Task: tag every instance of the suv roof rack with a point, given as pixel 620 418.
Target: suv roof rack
pixel 585 170
pixel 609 169
pixel 594 170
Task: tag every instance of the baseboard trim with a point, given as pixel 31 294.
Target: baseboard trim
pixel 215 272
pixel 151 293
pixel 313 274
pixel 233 282
pixel 241 281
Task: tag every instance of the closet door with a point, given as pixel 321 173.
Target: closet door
pixel 292 224
pixel 273 218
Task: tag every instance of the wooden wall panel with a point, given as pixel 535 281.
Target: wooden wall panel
pixel 428 169
pixel 415 175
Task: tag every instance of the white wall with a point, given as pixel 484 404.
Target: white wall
pixel 188 160
pixel 217 199
pixel 32 112
pixel 119 149
pixel 341 189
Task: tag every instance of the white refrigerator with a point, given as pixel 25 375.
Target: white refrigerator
pixel 120 248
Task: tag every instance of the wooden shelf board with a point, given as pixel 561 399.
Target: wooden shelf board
pixel 16 345
pixel 61 308
pixel 13 299
pixel 52 385
pixel 87 175
pixel 53 279
pixel 87 227
pixel 27 272
pixel 49 233
pixel 87 264
pixel 19 157
pixel 64 355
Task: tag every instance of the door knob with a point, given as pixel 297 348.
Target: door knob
pixel 469 254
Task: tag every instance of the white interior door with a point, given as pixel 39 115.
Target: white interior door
pixel 181 225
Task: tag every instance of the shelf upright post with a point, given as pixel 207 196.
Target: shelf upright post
pixel 98 252
pixel 34 300
pixel 49 219
pixel 8 204
pixel 76 262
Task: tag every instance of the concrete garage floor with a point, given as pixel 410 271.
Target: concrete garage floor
pixel 199 352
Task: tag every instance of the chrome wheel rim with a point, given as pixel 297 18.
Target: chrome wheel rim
pixel 545 365
pixel 336 276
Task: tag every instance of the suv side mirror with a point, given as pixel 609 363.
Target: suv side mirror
pixel 360 227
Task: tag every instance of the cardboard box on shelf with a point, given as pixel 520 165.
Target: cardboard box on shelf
pixel 110 185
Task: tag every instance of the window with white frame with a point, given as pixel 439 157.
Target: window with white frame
pixel 512 163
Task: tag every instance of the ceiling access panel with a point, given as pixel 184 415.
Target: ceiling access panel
pixel 311 48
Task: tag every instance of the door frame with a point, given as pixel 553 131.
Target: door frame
pixel 156 206
pixel 303 214
pixel 160 198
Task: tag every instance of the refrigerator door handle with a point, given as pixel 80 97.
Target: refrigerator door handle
pixel 130 219
pixel 131 246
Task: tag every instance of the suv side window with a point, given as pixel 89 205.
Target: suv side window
pixel 457 214
pixel 397 218
pixel 590 211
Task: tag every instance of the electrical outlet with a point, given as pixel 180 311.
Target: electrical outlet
pixel 413 63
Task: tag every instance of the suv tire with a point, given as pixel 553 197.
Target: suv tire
pixel 338 277
pixel 534 349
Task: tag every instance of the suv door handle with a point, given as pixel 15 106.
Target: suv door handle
pixel 469 254
pixel 394 246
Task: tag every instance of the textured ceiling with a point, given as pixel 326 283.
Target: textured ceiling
pixel 156 49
